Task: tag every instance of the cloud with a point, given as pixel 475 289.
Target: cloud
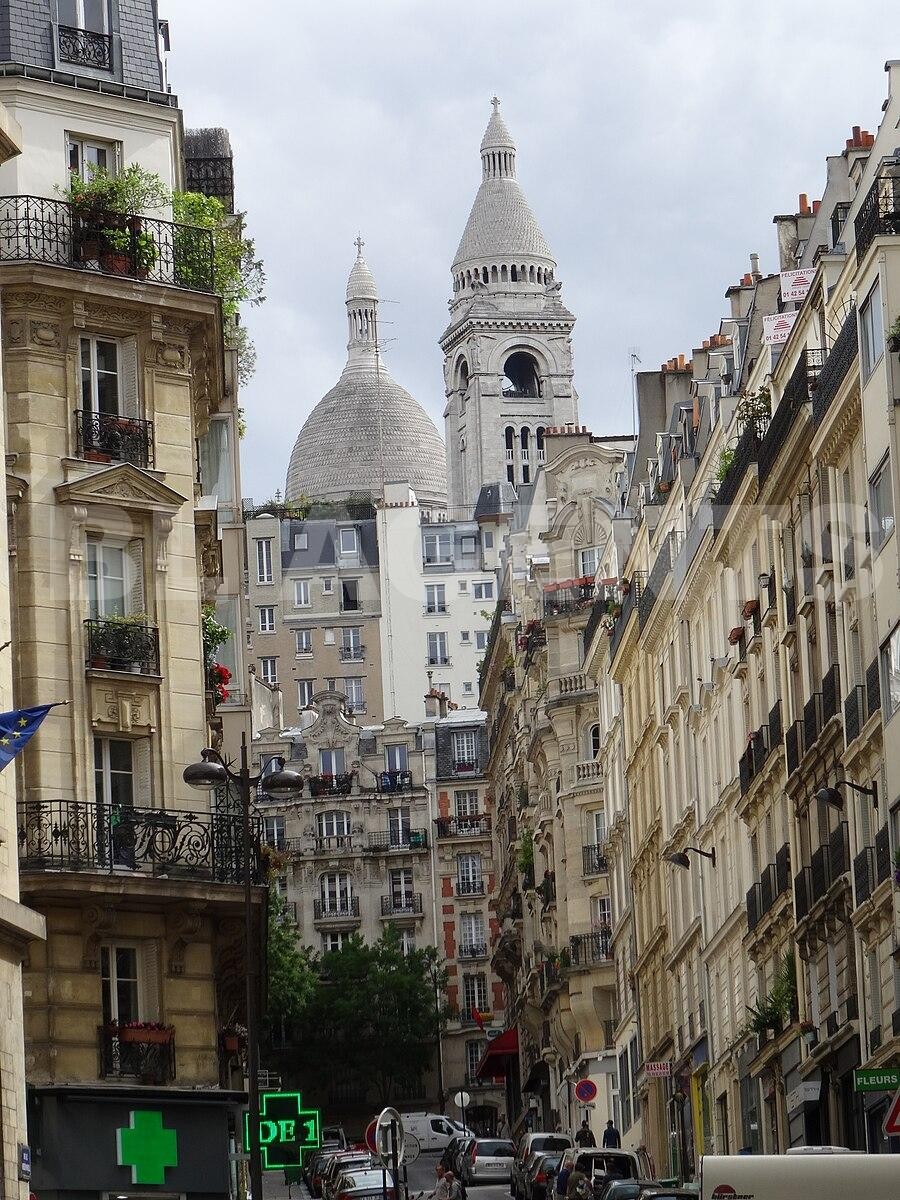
pixel 655 144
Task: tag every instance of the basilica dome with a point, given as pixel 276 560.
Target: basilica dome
pixel 368 430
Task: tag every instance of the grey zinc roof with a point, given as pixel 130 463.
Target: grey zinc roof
pixel 501 224
pixel 337 451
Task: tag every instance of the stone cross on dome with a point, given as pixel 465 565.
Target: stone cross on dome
pixel 496 104
pixel 359 243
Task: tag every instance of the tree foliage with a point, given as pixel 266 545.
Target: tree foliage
pixel 292 978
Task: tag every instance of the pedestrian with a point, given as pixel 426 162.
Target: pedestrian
pixel 456 1187
pixel 442 1187
pixel 578 1186
pixel 611 1138
pixel 585 1137
pixel 562 1176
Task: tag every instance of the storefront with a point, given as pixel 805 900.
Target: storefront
pixel 132 1142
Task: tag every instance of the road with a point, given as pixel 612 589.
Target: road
pixel 421 1179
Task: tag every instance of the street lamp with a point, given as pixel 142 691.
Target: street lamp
pixel 208 775
pixel 679 858
pixel 832 797
pixel 435 979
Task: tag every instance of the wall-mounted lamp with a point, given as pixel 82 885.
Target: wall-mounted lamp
pixel 679 858
pixel 832 797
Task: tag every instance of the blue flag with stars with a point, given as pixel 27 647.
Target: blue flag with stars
pixel 18 728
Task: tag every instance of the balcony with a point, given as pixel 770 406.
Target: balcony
pixel 85 48
pixel 820 873
pixel 401 839
pixel 660 571
pixel 839 851
pixel 754 758
pixel 70 835
pixel 334 843
pixel 568 598
pixel 830 693
pixel 783 869
pixel 391 782
pixel 145 1055
pixel 793 400
pixel 588 772
pixel 409 905
pixel 837 365
pixel 55 233
pixel 873 688
pixel 353 653
pixel 854 713
pixel 463 827
pixel 812 720
pixel 465 766
pixel 342 909
pixel 882 855
pixel 745 453
pixel 879 213
pixel 438 660
pixel 122 644
pixel 546 889
pixel 754 906
pixel 331 785
pixel 470 887
pixel 864 875
pixel 108 437
pixel 593 860
pixel 630 602
pixel 587 948
pixel 435 610
pixel 793 746
pixel 803 892
pixel 473 951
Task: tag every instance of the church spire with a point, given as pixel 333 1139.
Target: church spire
pixel 362 308
pixel 498 150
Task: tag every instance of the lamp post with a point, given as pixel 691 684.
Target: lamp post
pixel 435 979
pixel 208 775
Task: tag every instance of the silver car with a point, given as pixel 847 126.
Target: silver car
pixel 364 1185
pixel 488 1160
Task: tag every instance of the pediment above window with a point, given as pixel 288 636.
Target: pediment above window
pixel 124 486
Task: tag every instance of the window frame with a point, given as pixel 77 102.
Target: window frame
pixel 92 406
pixel 302 686
pixel 267 625
pixel 264 569
pixel 109 982
pixel 306 636
pixel 881 475
pixel 80 142
pixel 302 588
pixel 483 589
pixel 889 669
pixel 301 540
pixel 263 674
pixel 351 532
pixel 871 332
pixel 80 18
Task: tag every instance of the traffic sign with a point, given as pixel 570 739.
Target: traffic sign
pixel 462 1099
pixel 370 1136
pixel 287 1130
pixel 891 1126
pixel 383 1148
pixel 585 1090
pixel 882 1079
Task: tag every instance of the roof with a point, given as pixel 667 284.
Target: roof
pixel 501 224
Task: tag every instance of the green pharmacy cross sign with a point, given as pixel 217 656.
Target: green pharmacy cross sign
pixel 145 1146
pixel 286 1130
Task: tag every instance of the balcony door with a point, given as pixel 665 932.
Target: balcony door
pixel 402 889
pixel 469 874
pixel 398 827
pixel 90 15
pixel 115 578
pixel 331 762
pixel 336 892
pixel 471 931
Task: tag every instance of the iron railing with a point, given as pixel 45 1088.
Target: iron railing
pixel 399 906
pixel 783 868
pixel 831 682
pixel 473 950
pixel 401 839
pixel 629 604
pixel 74 835
pixel 122 645
pixel 839 851
pixel 59 234
pixel 820 869
pixel 839 361
pixel 864 874
pixel 470 887
pixel 341 908
pixel 854 712
pixel 465 766
pixel 463 827
pixel 775 730
pixel 593 860
pixel 812 720
pixel 599 610
pixel 745 452
pixel 147 1055
pixel 593 947
pixel 85 48
pixel 879 212
pixel 767 884
pixel 389 782
pixel 873 688
pixel 564 601
pixel 331 785
pixel 754 906
pixel 803 892
pixel 352 653
pixel 662 566
pixel 882 855
pixel 793 746
pixel 793 399
pixel 108 436
pixel 340 843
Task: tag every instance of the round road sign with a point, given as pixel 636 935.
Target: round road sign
pixel 585 1090
pixel 383 1135
pixel 462 1099
pixel 370 1136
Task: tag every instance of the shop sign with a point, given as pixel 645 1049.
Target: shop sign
pixel 657 1070
pixel 883 1079
pixel 287 1130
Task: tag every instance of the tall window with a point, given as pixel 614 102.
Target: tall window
pixel 114 773
pixel 353 690
pixel 268 671
pixel 474 1054
pixel 85 155
pixel 464 748
pixel 331 761
pixel 466 804
pixel 475 994
pixel 350 595
pixel 106 567
pixel 100 382
pixel 598 826
pixel 438 546
pixel 601 912
pixel 273 832
pixel 267 619
pixel 483 589
pixel 334 824
pixel 83 14
pixel 881 504
pixel 396 757
pixel 334 941
pixel 437 650
pixel 890 674
pixel 593 741
pixel 351 643
pixel 871 331
pixel 407 941
pixel 301 593
pixel 481 638
pixel 589 560
pixel 398 827
pixel 402 888
pixel 471 934
pixel 435 598
pixel 336 892
pixel 264 560
pixel 303 642
pixel 509 442
pixel 468 875
pixel 119 984
pixel 305 689
pixel 348 541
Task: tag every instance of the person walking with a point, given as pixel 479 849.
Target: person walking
pixel 442 1187
pixel 612 1139
pixel 585 1137
pixel 456 1187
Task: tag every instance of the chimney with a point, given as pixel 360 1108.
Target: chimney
pixel 754 266
pixel 442 705
pixel 816 205
pixel 804 204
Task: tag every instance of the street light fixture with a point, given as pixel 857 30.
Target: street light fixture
pixel 211 773
pixel 435 973
pixel 679 858
pixel 832 797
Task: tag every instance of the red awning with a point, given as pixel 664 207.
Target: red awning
pixel 495 1060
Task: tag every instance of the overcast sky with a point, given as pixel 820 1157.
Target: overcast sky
pixel 656 142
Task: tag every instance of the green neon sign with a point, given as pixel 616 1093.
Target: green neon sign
pixel 145 1146
pixel 287 1130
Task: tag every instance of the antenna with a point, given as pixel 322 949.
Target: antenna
pixel 634 360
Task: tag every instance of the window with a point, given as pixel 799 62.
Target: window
pixel 487 539
pixel 474 994
pixel 890 674
pixel 438 546
pixel 273 832
pixel 268 671
pixel 593 741
pixel 331 762
pixel 334 941
pixel 881 504
pixel 598 826
pixel 398 827
pixel 120 985
pixel 305 689
pixel 407 941
pixel 396 757
pixel 351 643
pixel 435 598
pixel 437 650
pixel 471 934
pixel 468 545
pixel 84 155
pixel 349 595
pixel 100 380
pixel 466 804
pixel 303 642
pixel 330 685
pixel 474 1054
pixel 106 568
pixel 589 560
pixel 83 14
pixel 483 590
pixel 463 585
pixel 267 619
pixel 401 882
pixel 334 823
pixel 464 749
pixel 327 585
pixel 114 773
pixel 336 892
pixel 301 541
pixel 264 560
pixel 216 466
pixel 467 689
pixel 871 332
pixel 601 912
pixel 301 593
pixel 353 690
pixel 348 541
pixel 469 881
pixel 481 638
pixel 465 637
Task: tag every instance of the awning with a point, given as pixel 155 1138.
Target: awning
pixel 495 1060
pixel 538 1078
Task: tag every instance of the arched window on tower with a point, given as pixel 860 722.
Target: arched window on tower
pixel 463 376
pixel 592 741
pixel 525 443
pixel 520 376
pixel 514 274
pixel 539 440
pixel 503 274
pixel 510 441
pixel 493 274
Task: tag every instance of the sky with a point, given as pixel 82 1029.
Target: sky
pixel 655 143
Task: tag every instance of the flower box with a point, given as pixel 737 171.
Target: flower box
pixel 749 609
pixel 149 1037
pixel 736 634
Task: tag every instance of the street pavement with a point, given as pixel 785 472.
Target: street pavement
pixel 421 1179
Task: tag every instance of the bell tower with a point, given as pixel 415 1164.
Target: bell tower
pixel 508 347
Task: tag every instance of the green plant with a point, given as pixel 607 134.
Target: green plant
pixel 777 1008
pixel 525 851
pixel 893 336
pixel 214 634
pixel 755 407
pixel 132 190
pixel 726 458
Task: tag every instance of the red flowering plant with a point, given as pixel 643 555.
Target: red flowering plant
pixel 219 678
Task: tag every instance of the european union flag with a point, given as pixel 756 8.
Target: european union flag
pixel 18 728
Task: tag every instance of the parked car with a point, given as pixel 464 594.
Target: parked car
pixel 450 1151
pixel 530 1144
pixel 488 1160
pixel 341 1164
pixel 319 1171
pixel 602 1165
pixel 364 1185
pixel 333 1135
pixel 462 1151
pixel 540 1176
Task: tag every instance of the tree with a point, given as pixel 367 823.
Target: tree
pixel 292 978
pixel 372 1019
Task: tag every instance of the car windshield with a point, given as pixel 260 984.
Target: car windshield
pixel 550 1142
pixel 550 1162
pixel 491 1149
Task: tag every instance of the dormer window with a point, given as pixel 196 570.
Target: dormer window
pixel 84 36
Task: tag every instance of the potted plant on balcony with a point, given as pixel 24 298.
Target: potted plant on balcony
pixel 125 640
pixel 750 607
pixel 893 337
pixel 218 679
pixel 233 1038
pixel 107 210
pixel 149 1033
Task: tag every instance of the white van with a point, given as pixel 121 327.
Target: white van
pixel 433 1131
pixel 787 1176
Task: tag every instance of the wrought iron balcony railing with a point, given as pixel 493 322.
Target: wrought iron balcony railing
pixel 399 839
pixel 57 233
pixel 389 782
pixel 745 452
pixel 120 644
pixel 108 437
pixel 463 827
pixel 464 766
pixel 566 600
pixel 803 898
pixel 882 855
pixel 353 653
pixel 795 396
pixel 879 213
pixel 85 48
pixel 473 951
pixel 331 785
pixel 470 887
pixel 754 906
pixel 587 948
pixel 342 908
pixel 71 835
pixel 864 874
pixel 400 906
pixel 837 364
pixel 143 1054
pixel 593 860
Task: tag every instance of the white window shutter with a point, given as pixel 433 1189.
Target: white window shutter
pixel 142 769
pixel 129 401
pixel 135 582
pixel 148 980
